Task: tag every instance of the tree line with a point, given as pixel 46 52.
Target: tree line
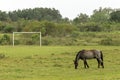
pixel 50 22
pixel 31 14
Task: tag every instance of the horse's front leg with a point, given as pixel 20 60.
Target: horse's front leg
pixel 102 64
pixel 85 64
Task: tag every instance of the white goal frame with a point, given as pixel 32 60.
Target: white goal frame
pixel 27 33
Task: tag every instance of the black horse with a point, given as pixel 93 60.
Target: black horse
pixel 89 54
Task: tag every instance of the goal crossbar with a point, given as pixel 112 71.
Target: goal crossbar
pixel 26 33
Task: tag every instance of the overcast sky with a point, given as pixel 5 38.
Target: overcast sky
pixel 67 8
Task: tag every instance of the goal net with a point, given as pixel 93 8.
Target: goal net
pixel 26 38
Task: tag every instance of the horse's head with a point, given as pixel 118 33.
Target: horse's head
pixel 75 63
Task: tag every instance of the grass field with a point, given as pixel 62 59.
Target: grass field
pixel 56 63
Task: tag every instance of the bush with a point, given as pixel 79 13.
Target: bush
pixel 75 34
pixel 94 27
pixel 29 42
pixel 27 39
pixel 35 38
pixel 8 29
pixel 106 41
pixel 5 40
pixel 17 42
pixel 47 40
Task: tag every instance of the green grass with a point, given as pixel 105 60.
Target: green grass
pixel 56 63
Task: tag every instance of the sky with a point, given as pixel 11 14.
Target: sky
pixel 67 8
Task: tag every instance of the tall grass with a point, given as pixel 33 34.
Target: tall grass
pixel 74 39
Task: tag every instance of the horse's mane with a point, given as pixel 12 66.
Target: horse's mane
pixel 77 55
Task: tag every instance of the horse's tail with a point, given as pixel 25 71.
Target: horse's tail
pixel 101 55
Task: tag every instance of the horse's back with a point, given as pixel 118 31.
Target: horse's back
pixel 89 54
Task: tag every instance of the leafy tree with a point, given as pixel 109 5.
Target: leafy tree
pixel 82 18
pixel 1 26
pixel 36 14
pixel 65 29
pixel 101 15
pixel 13 16
pixel 49 28
pixel 32 25
pixel 6 27
pixel 3 16
pixel 20 24
pixel 115 16
pixel 65 20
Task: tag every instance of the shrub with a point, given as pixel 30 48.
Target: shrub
pixel 35 38
pixel 90 27
pixel 8 29
pixel 47 40
pixel 29 42
pixel 5 40
pixel 17 42
pixel 106 41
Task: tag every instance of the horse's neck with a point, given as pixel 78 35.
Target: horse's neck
pixel 77 57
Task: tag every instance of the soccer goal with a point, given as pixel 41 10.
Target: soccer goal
pixel 26 33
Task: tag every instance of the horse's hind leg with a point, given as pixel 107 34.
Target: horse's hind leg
pixel 98 63
pixel 101 63
pixel 102 59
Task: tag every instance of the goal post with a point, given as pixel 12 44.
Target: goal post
pixel 27 33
